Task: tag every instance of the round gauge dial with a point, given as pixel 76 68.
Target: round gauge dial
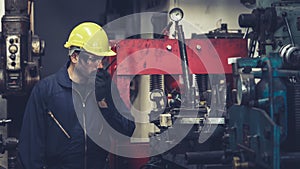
pixel 176 14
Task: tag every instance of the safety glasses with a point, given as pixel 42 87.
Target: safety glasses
pixel 87 57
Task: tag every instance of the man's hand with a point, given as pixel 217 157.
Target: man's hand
pixel 102 84
pixel 122 121
pixel 100 66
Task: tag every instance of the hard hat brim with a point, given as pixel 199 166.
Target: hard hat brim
pixel 108 53
pixel 105 54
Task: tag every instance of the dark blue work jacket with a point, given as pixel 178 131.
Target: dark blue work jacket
pixel 58 121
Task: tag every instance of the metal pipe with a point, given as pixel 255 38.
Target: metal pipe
pixel 291 157
pixel 270 76
pixel 205 157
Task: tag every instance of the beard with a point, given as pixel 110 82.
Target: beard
pixel 84 74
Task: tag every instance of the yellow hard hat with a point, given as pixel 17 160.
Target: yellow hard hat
pixel 92 38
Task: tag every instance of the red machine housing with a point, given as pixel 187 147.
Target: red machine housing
pixel 162 56
pixel 203 55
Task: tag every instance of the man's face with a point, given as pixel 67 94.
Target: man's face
pixel 87 64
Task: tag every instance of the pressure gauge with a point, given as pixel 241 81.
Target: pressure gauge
pixel 176 14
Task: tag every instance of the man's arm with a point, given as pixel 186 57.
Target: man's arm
pixel 115 112
pixel 31 148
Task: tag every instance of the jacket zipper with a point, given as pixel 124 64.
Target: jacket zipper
pixel 85 136
pixel 83 100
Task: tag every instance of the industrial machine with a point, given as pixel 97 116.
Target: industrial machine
pixel 21 50
pixel 214 100
pixel 20 63
pixel 263 127
pixel 8 144
pixel 178 91
pixel 219 100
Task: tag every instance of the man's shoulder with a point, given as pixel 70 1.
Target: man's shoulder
pixel 47 79
pixel 46 83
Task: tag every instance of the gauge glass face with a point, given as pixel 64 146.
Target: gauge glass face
pixel 176 14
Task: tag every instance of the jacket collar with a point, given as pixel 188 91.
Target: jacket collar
pixel 62 76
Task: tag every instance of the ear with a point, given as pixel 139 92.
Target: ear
pixel 74 57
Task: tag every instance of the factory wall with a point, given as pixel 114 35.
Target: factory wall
pixel 207 15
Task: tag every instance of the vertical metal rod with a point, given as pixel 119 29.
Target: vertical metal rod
pixel 31 14
pixel 289 30
pixel 184 64
pixel 276 150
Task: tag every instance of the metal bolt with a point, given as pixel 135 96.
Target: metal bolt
pixel 198 47
pixel 169 47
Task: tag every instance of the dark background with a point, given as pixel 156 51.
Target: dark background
pixel 55 19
